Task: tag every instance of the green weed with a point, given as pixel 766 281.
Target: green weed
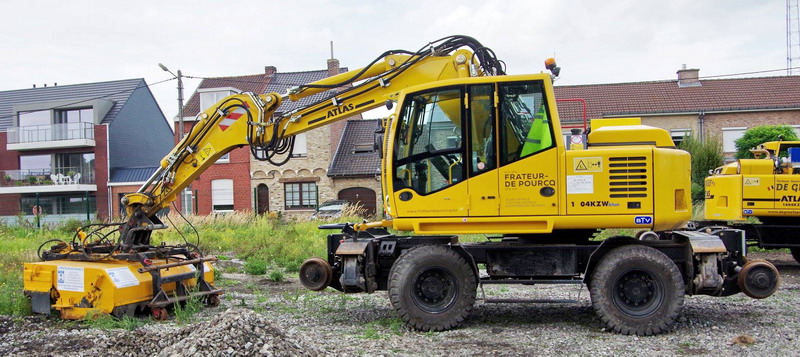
pixel 185 312
pixel 12 299
pixel 277 276
pixel 255 266
pixel 104 321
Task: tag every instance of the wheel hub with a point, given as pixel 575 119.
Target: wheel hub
pixel 636 289
pixel 434 290
pixel 636 293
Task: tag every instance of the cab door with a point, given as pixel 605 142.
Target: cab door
pixel 428 160
pixel 528 154
pixel 484 198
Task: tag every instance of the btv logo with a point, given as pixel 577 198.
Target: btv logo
pixel 643 220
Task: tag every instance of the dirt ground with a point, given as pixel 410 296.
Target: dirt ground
pixel 261 317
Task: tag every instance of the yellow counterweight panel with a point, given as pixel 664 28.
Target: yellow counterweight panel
pixel 672 182
pixel 724 198
pixel 79 287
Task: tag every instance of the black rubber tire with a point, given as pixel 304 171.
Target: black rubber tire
pixel 432 288
pixel 795 254
pixel 637 290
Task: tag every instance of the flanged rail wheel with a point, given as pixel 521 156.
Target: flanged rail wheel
pixel 758 279
pixel 159 313
pixel 637 290
pixel 213 300
pixel 432 287
pixel 316 274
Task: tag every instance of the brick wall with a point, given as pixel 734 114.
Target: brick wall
pixel 101 170
pixel 237 169
pixel 312 167
pixel 9 160
pixel 115 193
pixel 714 123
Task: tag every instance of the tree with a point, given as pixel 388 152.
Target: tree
pixel 758 135
pixel 706 155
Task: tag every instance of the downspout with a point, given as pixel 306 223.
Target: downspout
pixel 108 175
pixel 701 118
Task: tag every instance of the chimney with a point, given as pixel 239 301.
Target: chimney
pixel 270 70
pixel 688 77
pixel 333 67
pixel 333 64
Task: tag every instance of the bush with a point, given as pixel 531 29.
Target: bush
pixel 276 276
pixel 759 135
pixel 706 155
pixel 255 266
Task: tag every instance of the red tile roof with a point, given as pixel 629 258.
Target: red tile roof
pixel 666 97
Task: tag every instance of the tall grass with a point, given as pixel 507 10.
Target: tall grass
pixel 282 242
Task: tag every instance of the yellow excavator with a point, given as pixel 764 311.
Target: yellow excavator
pixel 468 150
pixel 767 188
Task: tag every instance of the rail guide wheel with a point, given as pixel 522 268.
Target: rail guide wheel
pixel 759 279
pixel 316 274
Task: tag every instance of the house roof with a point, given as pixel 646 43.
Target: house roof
pixel 132 174
pixel 277 82
pixel 116 91
pixel 283 81
pixel 761 93
pixel 347 161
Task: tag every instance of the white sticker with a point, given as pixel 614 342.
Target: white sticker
pixel 580 184
pixel 752 181
pixel 122 277
pixel 70 279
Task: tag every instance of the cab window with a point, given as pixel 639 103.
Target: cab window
pixel 526 127
pixel 428 143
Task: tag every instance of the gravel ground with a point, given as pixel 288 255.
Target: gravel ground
pixel 258 317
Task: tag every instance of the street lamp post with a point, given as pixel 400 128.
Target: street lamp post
pixel 179 76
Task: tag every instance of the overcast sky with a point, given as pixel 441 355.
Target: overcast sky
pixel 71 42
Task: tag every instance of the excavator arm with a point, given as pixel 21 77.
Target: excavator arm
pixel 249 119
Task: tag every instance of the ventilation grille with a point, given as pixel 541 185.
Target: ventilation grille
pixel 628 177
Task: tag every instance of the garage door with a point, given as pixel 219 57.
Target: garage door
pixel 361 196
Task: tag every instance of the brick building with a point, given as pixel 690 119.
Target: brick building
pixel 299 186
pixel 238 182
pixel 59 144
pixel 722 108
pixel 225 186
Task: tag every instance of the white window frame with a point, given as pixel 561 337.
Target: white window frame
pixel 216 93
pixel 679 134
pixel 187 206
pixel 729 142
pixel 224 159
pixel 222 195
pixel 300 145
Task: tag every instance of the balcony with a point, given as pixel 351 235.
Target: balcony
pixel 53 136
pixel 61 179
